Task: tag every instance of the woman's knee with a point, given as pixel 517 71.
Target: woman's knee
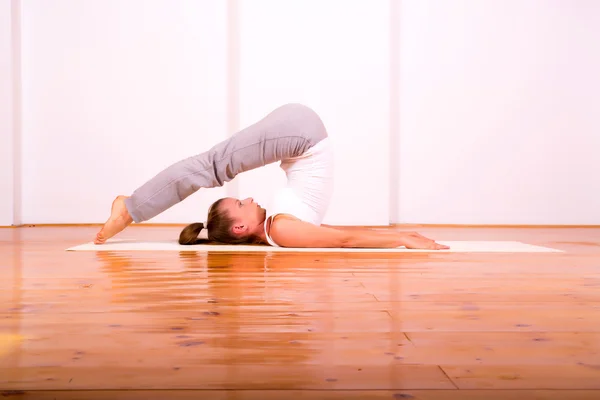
pixel 308 120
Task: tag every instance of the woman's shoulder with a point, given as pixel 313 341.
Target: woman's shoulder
pixel 277 221
pixel 283 216
pixel 280 226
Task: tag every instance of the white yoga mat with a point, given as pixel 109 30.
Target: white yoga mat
pixel 455 246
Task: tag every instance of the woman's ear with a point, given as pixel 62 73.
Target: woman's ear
pixel 239 229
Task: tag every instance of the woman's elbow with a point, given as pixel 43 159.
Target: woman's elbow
pixel 346 240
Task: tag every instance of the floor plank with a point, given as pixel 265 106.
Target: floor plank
pixel 226 377
pixel 311 394
pixel 516 376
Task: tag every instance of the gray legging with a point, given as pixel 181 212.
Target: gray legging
pixel 286 132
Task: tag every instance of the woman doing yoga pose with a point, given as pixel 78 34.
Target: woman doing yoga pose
pixel 295 136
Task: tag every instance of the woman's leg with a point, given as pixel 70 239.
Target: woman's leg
pixel 286 132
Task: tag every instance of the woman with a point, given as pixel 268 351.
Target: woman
pixel 292 134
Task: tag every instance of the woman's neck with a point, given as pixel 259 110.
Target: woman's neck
pixel 260 232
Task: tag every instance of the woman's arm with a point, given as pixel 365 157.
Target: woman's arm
pixel 288 231
pixel 367 231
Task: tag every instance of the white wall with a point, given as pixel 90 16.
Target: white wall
pixel 114 91
pixel 499 105
pixel 334 57
pixel 508 90
pixel 6 115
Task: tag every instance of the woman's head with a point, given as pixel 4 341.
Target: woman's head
pixel 230 221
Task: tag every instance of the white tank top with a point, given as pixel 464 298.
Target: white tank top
pixel 309 187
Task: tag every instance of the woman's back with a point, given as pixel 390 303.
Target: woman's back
pixel 309 186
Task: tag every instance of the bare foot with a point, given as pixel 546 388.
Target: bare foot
pixel 118 220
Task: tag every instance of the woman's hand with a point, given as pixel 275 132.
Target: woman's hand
pixel 414 240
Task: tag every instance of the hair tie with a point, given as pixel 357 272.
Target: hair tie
pixel 204 232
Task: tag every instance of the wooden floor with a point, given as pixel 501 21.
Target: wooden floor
pixel 169 325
